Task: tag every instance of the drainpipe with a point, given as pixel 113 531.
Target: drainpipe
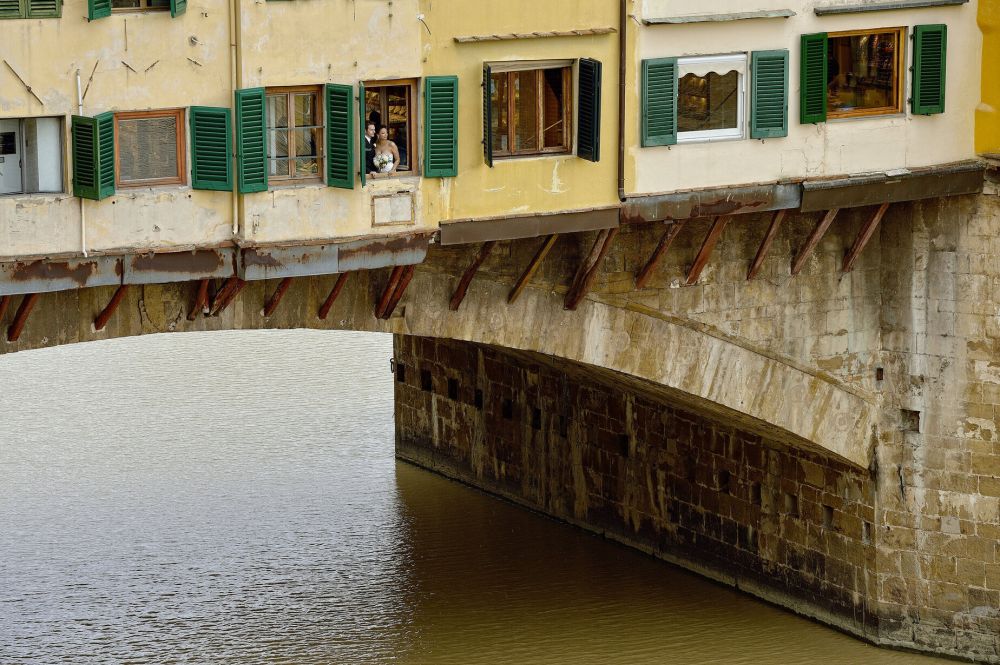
pixel 83 209
pixel 235 53
pixel 622 26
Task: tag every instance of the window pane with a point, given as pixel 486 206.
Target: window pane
pixel 42 155
pixel 498 102
pixel 526 111
pixel 10 156
pixel 306 142
pixel 399 118
pixel 277 167
pixel 306 168
pixel 124 4
pixel 861 72
pixel 373 106
pixel 708 102
pixel 305 109
pixel 159 4
pixel 277 111
pixel 147 148
pixel 553 105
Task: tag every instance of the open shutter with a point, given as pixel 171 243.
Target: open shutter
pixel 441 126
pixel 363 122
pixel 659 102
pixel 340 136
pixel 106 152
pixel 42 8
pixel 178 7
pixel 488 115
pixel 98 9
pixel 813 79
pixel 588 128
pixel 930 47
pixel 250 135
pixel 211 148
pixel 93 156
pixel 769 94
pixel 11 8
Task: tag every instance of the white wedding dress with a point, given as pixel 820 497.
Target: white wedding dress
pixel 384 167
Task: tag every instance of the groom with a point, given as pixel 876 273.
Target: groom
pixel 370 148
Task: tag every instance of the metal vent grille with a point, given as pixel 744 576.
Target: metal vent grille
pixel 147 149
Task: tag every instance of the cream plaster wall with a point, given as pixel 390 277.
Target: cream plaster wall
pixel 832 148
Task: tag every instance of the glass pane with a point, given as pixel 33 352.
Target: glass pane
pixel 277 110
pixel 158 4
pixel 306 168
pixel 498 102
pixel 306 142
pixel 373 106
pixel 526 111
pixel 553 106
pixel 861 72
pixel 124 4
pixel 398 98
pixel 42 155
pixel 305 109
pixel 147 148
pixel 708 102
pixel 277 143
pixel 277 167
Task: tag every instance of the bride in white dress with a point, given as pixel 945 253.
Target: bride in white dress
pixel 386 150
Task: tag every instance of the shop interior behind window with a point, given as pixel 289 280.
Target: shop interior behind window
pixel 863 73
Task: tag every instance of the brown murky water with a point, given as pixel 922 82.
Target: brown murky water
pixel 233 498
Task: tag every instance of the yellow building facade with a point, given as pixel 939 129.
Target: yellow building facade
pixel 988 113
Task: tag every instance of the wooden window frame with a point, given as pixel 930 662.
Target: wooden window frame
pixel 568 101
pixel 181 147
pixel 897 78
pixel 320 111
pixel 142 8
pixel 412 144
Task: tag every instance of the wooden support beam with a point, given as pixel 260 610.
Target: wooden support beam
pixel 223 293
pixel 4 304
pixel 397 294
pixel 867 231
pixel 532 268
pixel 275 299
pixel 813 241
pixel 23 311
pixel 588 269
pixel 661 249
pixel 200 300
pixel 324 310
pixel 765 246
pixel 470 272
pixel 102 319
pixel 221 303
pixel 390 289
pixel 707 247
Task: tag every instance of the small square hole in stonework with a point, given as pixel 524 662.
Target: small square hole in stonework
pixel 624 444
pixel 400 373
pixel 722 481
pixel 791 505
pixel 426 381
pixel 478 399
pixel 536 418
pixel 507 409
pixel 452 388
pixel 563 427
pixel 911 421
pixel 866 533
pixel 828 517
pixel 755 494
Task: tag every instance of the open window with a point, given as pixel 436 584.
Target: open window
pixel 390 104
pixel 531 108
pixel 864 73
pixel 150 148
pixel 31 151
pixel 294 119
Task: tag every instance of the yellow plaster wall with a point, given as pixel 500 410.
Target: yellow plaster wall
pixel 988 113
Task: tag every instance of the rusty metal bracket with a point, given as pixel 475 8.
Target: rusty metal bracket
pixel 864 236
pixel 469 274
pixel 813 241
pixel 324 310
pixel 21 318
pixel 588 270
pixel 667 239
pixel 397 294
pixel 200 300
pixel 275 299
pixel 707 247
pixel 765 245
pixel 532 268
pixel 102 319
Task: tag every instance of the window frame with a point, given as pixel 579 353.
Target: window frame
pixel 181 147
pixel 739 133
pixel 413 123
pixel 320 112
pixel 23 147
pixel 142 8
pixel 899 76
pixel 570 93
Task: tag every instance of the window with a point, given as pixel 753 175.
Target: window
pixel 390 104
pixel 31 155
pixel 139 5
pixel 530 109
pixel 710 97
pixel 862 73
pixel 149 148
pixel 294 134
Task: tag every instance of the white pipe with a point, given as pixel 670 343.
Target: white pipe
pixel 234 56
pixel 83 209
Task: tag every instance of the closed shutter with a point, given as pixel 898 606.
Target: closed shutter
pixel 364 127
pixel 488 115
pixel 98 9
pixel 211 148
pixel 769 94
pixel 10 8
pixel 930 48
pixel 44 8
pixel 441 126
pixel 813 79
pixel 340 137
pixel 93 156
pixel 588 128
pixel 178 7
pixel 659 102
pixel 250 135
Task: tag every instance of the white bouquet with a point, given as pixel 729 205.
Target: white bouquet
pixel 383 162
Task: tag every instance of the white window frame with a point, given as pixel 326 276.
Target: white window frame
pixel 60 169
pixel 702 64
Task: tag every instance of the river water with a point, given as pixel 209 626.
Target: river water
pixel 233 498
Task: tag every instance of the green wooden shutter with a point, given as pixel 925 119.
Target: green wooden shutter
pixel 340 137
pixel 250 136
pixel 11 9
pixel 44 8
pixel 812 94
pixel 659 102
pixel 106 150
pixel 930 48
pixel 363 121
pixel 93 156
pixel 211 148
pixel 488 115
pixel 98 9
pixel 441 126
pixel 769 94
pixel 588 127
pixel 178 7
